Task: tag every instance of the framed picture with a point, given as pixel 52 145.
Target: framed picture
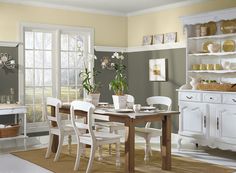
pixel 170 37
pixel 147 40
pixel 158 69
pixel 158 39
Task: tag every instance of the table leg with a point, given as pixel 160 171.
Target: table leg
pixel 166 143
pixel 129 147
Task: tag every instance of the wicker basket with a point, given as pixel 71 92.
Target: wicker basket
pixel 10 131
pixel 217 87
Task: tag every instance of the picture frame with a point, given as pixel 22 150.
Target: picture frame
pixel 147 40
pixel 158 39
pixel 170 37
pixel 158 70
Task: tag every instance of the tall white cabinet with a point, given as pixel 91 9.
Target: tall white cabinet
pixel 208 113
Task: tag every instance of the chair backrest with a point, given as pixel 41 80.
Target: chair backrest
pixel 56 103
pixel 158 100
pixel 88 108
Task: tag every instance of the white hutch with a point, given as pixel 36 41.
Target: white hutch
pixel 208 116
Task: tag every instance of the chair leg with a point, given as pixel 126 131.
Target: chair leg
pixel 60 144
pixel 77 161
pixel 147 149
pixel 69 143
pixel 49 146
pixel 118 154
pixel 91 158
pixel 111 131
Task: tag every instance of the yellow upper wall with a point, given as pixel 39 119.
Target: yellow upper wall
pixel 169 20
pixel 109 30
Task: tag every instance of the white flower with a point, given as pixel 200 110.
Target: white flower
pixel 112 64
pixel 122 57
pixel 116 55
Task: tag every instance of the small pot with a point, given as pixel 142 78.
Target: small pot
pixel 119 101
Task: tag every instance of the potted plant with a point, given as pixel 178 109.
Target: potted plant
pixel 119 83
pixel 91 88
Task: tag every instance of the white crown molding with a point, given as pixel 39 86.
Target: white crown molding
pixel 105 12
pixel 64 7
pixel 167 46
pixel 9 44
pixel 215 16
pixel 165 7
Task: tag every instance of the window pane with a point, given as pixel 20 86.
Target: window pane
pixel 29 58
pixel 38 42
pixel 79 63
pixel 38 95
pixel 64 42
pixel 64 60
pixel 38 77
pixel 64 94
pixel 29 95
pixel 29 77
pixel 72 77
pixel 47 41
pixel 38 112
pixel 38 59
pixel 64 78
pixel 48 77
pixel 79 92
pixel 30 115
pixel 72 56
pixel 72 43
pixel 47 59
pixel 29 40
pixel 72 93
pixel 47 92
pixel 79 79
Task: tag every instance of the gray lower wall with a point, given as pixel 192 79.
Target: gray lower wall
pixel 138 77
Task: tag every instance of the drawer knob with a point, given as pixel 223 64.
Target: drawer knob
pixel 211 98
pixel 189 97
pixel 234 100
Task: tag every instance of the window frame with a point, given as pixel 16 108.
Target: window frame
pixel 57 30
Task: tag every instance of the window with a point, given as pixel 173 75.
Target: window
pixel 51 64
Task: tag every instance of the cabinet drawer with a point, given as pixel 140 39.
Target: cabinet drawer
pixel 188 96
pixel 229 98
pixel 211 98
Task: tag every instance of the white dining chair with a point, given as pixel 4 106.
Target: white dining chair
pixel 147 132
pixel 93 138
pixel 60 129
pixel 115 126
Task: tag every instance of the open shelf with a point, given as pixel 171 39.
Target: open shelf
pixel 212 54
pixel 212 71
pixel 213 36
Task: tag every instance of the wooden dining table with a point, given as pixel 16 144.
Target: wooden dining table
pixel 130 120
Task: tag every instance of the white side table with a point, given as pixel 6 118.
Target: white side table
pixel 9 109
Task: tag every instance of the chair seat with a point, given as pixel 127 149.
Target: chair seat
pixel 140 131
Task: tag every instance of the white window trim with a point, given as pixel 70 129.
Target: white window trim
pixel 41 126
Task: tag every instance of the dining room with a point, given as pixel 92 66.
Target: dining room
pixel 117 86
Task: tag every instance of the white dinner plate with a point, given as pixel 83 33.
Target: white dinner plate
pixel 148 108
pixel 103 103
pixel 124 110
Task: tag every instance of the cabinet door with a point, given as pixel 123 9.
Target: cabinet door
pixel 193 119
pixel 226 124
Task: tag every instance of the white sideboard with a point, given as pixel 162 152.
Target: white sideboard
pixel 9 109
pixel 208 118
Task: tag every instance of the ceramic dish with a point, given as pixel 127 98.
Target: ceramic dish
pixel 229 46
pixel 228 26
pixel 211 28
pixel 205 46
pixel 148 108
pixel 124 110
